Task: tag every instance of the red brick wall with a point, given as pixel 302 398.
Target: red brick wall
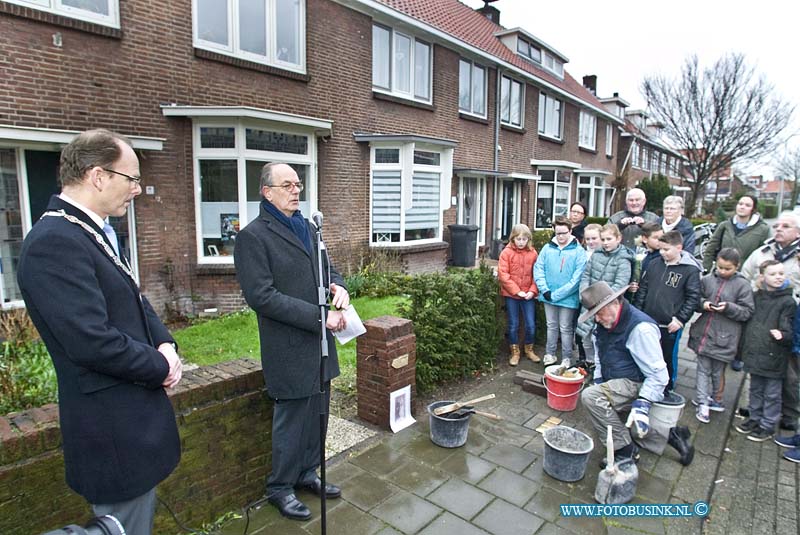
pixel 119 82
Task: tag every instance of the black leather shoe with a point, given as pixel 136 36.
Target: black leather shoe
pixel 291 507
pixel 315 487
pixel 681 443
pixel 788 426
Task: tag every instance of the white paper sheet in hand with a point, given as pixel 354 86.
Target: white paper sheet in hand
pixel 354 326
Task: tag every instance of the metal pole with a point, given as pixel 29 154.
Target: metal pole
pixel 322 295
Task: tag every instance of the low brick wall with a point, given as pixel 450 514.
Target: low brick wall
pixel 225 423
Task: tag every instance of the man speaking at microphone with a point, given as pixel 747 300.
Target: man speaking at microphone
pixel 276 264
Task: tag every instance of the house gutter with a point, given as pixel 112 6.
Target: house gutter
pixel 496 167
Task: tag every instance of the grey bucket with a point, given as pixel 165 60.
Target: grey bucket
pixel 566 453
pixel 445 432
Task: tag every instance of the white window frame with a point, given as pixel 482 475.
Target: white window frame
pixel 635 156
pixel 530 46
pixel 553 64
pixel 594 191
pixel 516 192
pixel 546 105
pixel 57 7
pixel 557 186
pixel 609 139
pixel 663 164
pixel 587 130
pixel 644 159
pixel 472 67
pixel 232 48
pixel 242 154
pixel 511 84
pixel 392 89
pixel 481 215
pixel 406 167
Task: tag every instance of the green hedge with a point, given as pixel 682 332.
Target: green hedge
pixel 769 211
pixel 596 220
pixel 455 321
pixel 27 376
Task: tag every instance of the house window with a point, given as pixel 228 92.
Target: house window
pixel 406 204
pixel 553 65
pixel 609 140
pixel 401 64
pixel 471 88
pixel 228 160
pixel 592 192
pixel 587 130
pixel 105 12
pixel 635 157
pixel 472 204
pixel 654 162
pixel 552 196
pixel 663 166
pixel 528 50
pixel 512 102
pixel 645 159
pixel 271 32
pixel 549 116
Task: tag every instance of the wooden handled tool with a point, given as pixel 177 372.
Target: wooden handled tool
pixel 455 406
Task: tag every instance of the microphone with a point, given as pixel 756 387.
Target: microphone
pixel 316 217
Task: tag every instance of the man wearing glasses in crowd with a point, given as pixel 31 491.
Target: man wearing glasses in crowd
pixel 112 355
pixel 276 265
pixel 783 247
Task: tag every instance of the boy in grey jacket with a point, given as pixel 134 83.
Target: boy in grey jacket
pixel 726 303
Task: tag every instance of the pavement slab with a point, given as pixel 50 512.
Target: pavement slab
pixel 503 518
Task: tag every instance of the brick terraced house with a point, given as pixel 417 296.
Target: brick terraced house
pixel 401 117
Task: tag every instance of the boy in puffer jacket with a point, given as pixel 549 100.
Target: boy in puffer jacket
pixel 669 294
pixel 726 303
pixel 557 274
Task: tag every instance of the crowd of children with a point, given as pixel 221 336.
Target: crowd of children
pixel 667 284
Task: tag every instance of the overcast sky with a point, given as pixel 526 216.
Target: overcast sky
pixel 625 40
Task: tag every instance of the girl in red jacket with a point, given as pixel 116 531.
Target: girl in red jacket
pixel 515 271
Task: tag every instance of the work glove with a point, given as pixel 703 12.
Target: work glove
pixel 547 295
pixel 639 419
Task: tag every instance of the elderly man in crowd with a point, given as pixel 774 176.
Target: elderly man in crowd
pixel 674 220
pixel 276 265
pixel 113 356
pixel 629 374
pixel 783 247
pixel 630 220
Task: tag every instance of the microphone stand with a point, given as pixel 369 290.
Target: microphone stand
pixel 322 295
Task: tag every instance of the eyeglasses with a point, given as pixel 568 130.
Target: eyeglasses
pixel 580 212
pixel 288 186
pixel 134 179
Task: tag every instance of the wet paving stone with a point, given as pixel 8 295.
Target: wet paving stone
pixel 422 448
pixel 347 520
pixel 367 490
pixel 460 498
pixel 653 489
pixel 388 530
pixel 379 460
pixel 510 486
pixel 468 467
pixel 477 443
pixel 449 524
pixel 342 472
pixel 502 518
pixel 418 477
pixel 545 504
pixel 406 512
pixel 514 413
pixel 514 458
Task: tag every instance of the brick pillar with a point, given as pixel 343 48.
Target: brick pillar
pixel 386 357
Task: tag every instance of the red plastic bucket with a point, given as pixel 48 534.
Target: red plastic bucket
pixel 562 392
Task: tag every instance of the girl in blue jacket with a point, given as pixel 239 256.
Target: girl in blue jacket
pixel 557 274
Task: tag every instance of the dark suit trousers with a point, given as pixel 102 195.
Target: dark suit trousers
pixel 791 391
pixel 295 443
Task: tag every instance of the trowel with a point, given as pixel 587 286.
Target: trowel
pixel 616 483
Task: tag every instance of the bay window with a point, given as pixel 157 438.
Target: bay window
pixel 549 116
pixel 229 155
pixel 593 193
pixel 271 32
pixel 401 64
pixel 552 196
pixel 408 181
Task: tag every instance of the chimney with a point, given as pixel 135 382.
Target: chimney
pixel 491 13
pixel 590 83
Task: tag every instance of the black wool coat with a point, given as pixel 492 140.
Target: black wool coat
pixel 119 433
pixel 279 281
pixel 761 353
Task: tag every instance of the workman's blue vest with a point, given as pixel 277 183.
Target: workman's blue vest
pixel 616 362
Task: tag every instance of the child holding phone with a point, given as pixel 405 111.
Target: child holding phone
pixel 726 302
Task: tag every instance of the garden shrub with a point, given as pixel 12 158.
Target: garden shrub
pixel 769 210
pixel 596 220
pixel 455 322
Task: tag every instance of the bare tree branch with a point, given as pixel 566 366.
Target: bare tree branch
pixel 718 116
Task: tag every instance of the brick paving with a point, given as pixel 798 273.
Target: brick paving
pixel 494 484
